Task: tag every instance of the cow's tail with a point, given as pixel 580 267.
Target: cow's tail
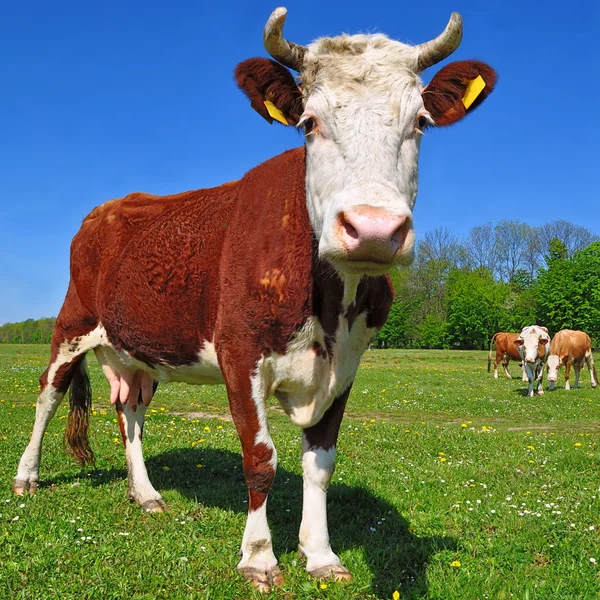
pixel 78 422
pixel 490 352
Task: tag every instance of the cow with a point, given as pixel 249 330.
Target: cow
pixel 533 344
pixel 505 351
pixel 569 347
pixel 274 284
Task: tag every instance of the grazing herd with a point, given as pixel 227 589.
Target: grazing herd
pixel 534 350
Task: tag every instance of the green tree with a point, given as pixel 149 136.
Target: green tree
pixel 568 292
pixel 476 306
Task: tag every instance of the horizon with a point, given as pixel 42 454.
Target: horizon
pixel 104 100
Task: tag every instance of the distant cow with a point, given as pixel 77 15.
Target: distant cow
pixel 569 347
pixel 533 343
pixel 505 352
pixel 274 284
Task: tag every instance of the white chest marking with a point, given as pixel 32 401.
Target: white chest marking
pixel 305 380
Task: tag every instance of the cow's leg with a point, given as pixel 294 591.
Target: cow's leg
pixel 523 371
pixel 505 361
pixel 141 491
pixel 589 359
pixel 531 376
pixel 540 380
pixel 318 462
pixel 247 398
pixel 67 357
pixel 577 366
pixel 567 375
pixel 131 392
pixel 496 363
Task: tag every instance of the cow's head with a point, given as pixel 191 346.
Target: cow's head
pixel 363 110
pixel 532 343
pixel 553 367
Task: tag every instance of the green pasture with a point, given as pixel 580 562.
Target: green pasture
pixel 449 485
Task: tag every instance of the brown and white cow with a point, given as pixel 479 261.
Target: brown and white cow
pixel 569 347
pixel 274 284
pixel 533 345
pixel 506 350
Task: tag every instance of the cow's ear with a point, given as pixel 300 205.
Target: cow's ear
pixel 458 89
pixel 273 92
pixel 544 341
pixel 518 342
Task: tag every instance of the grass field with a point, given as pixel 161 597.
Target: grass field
pixel 448 485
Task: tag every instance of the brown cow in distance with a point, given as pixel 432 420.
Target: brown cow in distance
pixel 506 350
pixel 570 347
pixel 274 284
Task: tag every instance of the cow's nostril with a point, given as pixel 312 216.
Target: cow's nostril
pixel 399 235
pixel 350 229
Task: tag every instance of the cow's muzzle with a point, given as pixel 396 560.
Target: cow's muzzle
pixel 372 234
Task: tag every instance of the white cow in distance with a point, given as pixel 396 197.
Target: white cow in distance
pixel 533 346
pixel 569 347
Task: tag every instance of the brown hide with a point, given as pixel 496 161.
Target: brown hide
pixel 571 345
pixel 505 344
pixel 235 263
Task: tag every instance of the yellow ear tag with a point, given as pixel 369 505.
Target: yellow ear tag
pixel 474 88
pixel 275 112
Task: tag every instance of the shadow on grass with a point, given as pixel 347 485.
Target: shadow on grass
pixel 396 557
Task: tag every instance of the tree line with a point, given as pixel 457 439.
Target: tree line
pixel 501 277
pixel 459 292
pixel 31 331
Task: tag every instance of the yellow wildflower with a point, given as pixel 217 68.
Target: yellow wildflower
pixel 455 564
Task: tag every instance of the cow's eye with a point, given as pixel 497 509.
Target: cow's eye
pixel 422 123
pixel 308 124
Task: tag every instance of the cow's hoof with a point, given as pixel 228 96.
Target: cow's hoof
pixel 333 572
pixel 20 487
pixel 263 581
pixel 157 506
pixel 509 377
pixel 541 393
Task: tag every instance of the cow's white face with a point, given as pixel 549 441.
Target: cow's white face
pixel 363 108
pixel 363 117
pixel 553 366
pixel 529 341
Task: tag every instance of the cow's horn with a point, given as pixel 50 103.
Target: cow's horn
pixel 443 45
pixel 287 53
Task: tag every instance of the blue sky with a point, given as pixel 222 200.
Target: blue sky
pixel 101 99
